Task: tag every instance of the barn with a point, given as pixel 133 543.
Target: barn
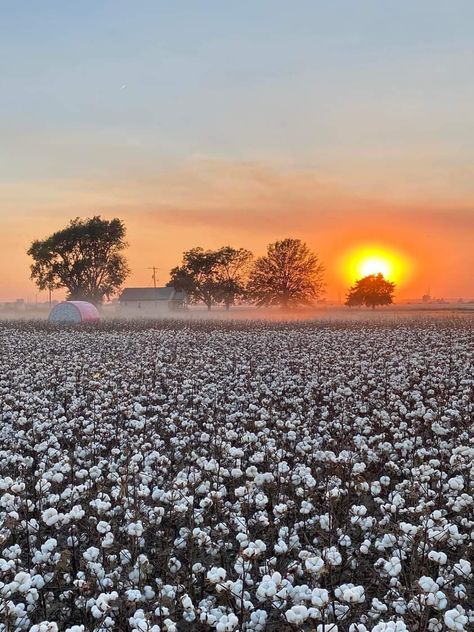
pixel 151 299
pixel 75 312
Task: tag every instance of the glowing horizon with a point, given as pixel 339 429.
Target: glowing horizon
pixel 367 259
pixel 347 125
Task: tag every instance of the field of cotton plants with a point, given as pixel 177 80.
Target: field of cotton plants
pixel 237 476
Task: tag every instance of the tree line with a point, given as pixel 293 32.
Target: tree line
pixel 86 258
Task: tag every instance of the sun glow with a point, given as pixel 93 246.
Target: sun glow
pixel 365 260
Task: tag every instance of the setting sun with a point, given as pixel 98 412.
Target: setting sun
pixel 365 260
pixel 374 265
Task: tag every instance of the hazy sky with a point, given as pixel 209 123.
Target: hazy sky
pixel 208 123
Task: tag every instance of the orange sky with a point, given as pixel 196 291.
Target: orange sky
pixel 212 203
pixel 347 124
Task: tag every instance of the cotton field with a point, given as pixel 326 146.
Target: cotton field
pixel 237 476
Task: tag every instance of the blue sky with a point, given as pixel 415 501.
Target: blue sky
pixel 307 83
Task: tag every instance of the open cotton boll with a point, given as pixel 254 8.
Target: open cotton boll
pixel 297 614
pixel 350 593
pixel 456 619
pixel 50 516
pixel 439 557
pixel 216 575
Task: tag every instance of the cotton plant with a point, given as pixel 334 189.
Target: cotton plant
pixel 223 478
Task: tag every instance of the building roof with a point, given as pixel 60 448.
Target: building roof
pixel 151 294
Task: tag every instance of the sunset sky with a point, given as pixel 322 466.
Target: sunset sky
pixel 347 124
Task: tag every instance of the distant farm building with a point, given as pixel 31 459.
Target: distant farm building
pixel 74 312
pixel 150 299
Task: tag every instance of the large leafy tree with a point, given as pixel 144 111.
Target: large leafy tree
pixel 232 270
pixel 371 290
pixel 85 258
pixel 197 276
pixel 289 275
pixel 212 276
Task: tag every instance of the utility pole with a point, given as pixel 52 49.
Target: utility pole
pixel 155 269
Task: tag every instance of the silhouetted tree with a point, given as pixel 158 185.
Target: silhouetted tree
pixel 233 268
pixel 288 275
pixel 196 276
pixel 85 258
pixel 212 276
pixel 371 290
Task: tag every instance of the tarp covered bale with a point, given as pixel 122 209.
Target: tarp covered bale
pixel 75 312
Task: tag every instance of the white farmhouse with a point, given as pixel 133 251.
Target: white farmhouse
pixel 147 300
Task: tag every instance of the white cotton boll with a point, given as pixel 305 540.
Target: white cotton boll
pixel 107 540
pixel 216 575
pixel 23 580
pixel 463 568
pixel 50 516
pixel 408 529
pixel 456 483
pixel 45 626
pixel 133 595
pixel 427 584
pixel 438 557
pixel 327 627
pixel 297 614
pixel 390 626
pixel 198 568
pixel 393 567
pixel 49 545
pixel 314 565
pixel 460 591
pixel 37 581
pixel 280 547
pixel 227 623
pixel 350 593
pixel 345 540
pixel 319 597
pixel 456 619
pixel 306 507
pixel 135 529
pixel 332 556
pixel 325 522
pixel 174 565
pixel 254 549
pixel 91 554
pixel 103 527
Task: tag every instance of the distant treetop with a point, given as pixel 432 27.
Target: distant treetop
pixel 371 290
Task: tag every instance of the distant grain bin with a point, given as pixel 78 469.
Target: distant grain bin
pixel 74 312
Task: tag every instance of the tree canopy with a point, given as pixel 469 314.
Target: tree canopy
pixel 233 268
pixel 371 290
pixel 212 276
pixel 289 275
pixel 85 258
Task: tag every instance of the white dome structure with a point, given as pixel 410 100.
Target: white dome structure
pixel 74 312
